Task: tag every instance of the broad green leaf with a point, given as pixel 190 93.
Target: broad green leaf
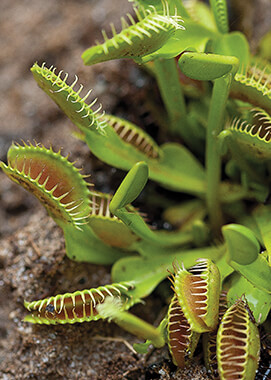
pixel 147 273
pixel 261 215
pixel 203 66
pixel 233 44
pixel 87 247
pixel 259 301
pixel 194 38
pixel 258 272
pixel 242 245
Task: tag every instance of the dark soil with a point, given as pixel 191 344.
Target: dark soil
pixel 33 264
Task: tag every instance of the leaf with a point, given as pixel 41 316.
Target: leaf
pixel 242 245
pixel 252 138
pixel 182 340
pixel 86 246
pixel 233 44
pixel 110 229
pixel 131 186
pixel 203 66
pixel 258 300
pixel 142 348
pixel 147 273
pixel 128 190
pixel 74 106
pixel 261 215
pixel 258 272
pixel 194 38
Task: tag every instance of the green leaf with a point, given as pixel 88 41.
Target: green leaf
pixel 242 245
pixel 147 273
pixel 262 217
pixel 129 189
pixel 259 301
pixel 131 186
pixel 258 272
pixel 233 44
pixel 194 38
pixel 80 306
pixel 74 106
pixel 201 14
pixel 206 66
pixel 85 246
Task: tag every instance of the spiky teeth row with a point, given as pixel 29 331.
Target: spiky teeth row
pixel 80 306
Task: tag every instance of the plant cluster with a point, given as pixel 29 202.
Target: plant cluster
pixel 217 98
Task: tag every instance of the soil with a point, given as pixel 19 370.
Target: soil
pixel 33 264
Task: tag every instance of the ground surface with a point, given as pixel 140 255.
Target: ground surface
pixel 32 257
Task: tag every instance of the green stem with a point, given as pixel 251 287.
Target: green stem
pixel 111 308
pixel 172 95
pixel 213 161
pixel 140 328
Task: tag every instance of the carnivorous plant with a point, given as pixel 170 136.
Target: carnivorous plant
pixel 217 98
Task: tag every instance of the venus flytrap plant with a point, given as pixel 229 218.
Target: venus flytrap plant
pixel 228 123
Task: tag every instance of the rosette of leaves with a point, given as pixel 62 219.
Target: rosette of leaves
pixel 220 160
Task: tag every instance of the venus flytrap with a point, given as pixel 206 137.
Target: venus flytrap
pixel 238 343
pixel 80 306
pixel 224 120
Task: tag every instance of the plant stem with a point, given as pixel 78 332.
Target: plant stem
pixel 213 161
pixel 140 328
pixel 169 85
